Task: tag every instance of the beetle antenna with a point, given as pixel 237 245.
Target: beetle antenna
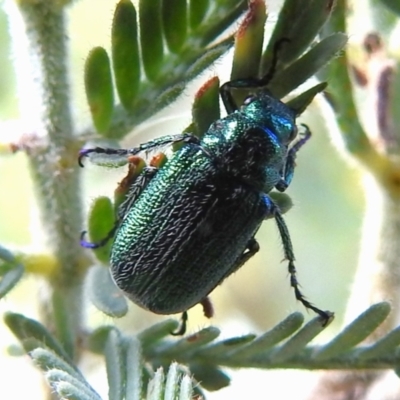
pixel 266 79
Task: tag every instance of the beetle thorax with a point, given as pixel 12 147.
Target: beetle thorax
pixel 246 150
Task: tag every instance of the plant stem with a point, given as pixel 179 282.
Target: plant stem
pixel 378 274
pixel 52 157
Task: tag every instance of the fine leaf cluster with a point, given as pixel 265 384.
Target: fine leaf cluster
pixel 287 345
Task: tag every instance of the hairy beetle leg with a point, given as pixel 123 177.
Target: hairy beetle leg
pixel 182 328
pixel 326 316
pixel 272 209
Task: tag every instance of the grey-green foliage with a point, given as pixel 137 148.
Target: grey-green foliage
pixel 287 345
pixel 152 70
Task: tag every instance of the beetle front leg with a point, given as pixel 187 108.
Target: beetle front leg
pixel 272 210
pixel 290 164
pixel 135 190
pixel 151 145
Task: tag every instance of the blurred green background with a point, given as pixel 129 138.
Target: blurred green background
pixel 324 222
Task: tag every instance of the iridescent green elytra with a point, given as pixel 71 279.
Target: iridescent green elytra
pixel 187 226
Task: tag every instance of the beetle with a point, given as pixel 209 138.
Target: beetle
pixel 188 225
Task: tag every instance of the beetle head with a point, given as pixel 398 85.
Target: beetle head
pixel 272 115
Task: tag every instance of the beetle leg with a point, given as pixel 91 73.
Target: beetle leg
pixel 208 308
pixel 136 188
pixel 290 164
pixel 151 145
pixel 273 210
pixel 251 249
pixel 208 312
pixel 182 328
